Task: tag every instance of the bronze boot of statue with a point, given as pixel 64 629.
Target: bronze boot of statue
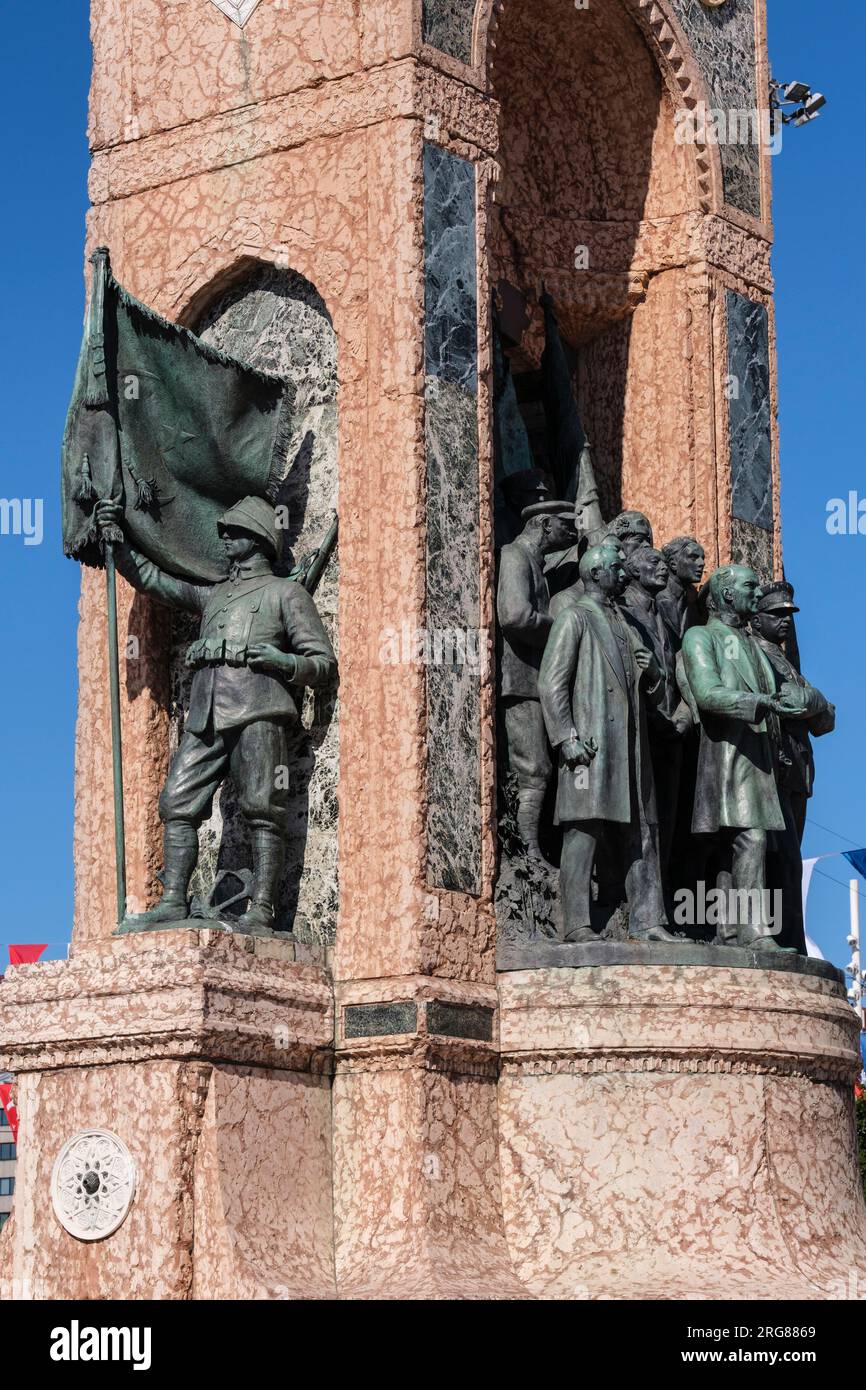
pixel 268 855
pixel 529 808
pixel 180 842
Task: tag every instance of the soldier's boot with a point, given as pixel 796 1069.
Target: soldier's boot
pixel 530 803
pixel 180 842
pixel 268 855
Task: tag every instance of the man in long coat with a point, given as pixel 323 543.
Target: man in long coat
pixel 731 689
pixel 592 682
pixel 670 719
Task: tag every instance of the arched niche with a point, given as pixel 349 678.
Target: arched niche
pixel 599 200
pixel 276 320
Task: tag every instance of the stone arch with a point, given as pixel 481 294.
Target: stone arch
pixel 674 57
pixel 275 318
pixel 599 201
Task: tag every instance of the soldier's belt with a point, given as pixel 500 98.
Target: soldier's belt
pixel 216 652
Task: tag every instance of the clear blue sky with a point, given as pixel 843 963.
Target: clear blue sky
pixel 819 224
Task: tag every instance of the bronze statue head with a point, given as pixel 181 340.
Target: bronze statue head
pixel 686 559
pixel 602 569
pixel 735 589
pixel 554 523
pixel 775 614
pixel 649 567
pixel 631 530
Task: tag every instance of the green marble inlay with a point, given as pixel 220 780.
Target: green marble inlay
pixel 448 27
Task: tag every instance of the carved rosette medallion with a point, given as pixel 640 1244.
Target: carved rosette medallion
pixel 93 1184
pixel 238 11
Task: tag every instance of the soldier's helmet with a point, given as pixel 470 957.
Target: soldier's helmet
pixel 258 518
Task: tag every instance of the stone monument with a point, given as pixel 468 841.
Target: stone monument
pixel 360 225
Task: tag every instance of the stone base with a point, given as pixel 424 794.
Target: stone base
pixel 281 1152
pixel 210 1057
pixel 680 1132
pixel 555 955
pixel 292 949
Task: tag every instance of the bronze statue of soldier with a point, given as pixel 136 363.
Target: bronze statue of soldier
pixel 261 641
pixel 771 626
pixel 732 691
pixel 594 677
pixel 523 610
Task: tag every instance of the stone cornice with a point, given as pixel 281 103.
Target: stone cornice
pixel 406 89
pixel 181 995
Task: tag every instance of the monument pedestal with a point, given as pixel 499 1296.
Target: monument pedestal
pixel 672 1130
pixel 210 1058
pixel 676 1131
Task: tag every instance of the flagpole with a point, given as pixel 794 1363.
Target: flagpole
pixel 855 969
pixel 116 747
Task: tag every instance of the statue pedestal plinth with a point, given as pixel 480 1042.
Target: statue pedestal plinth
pixel 210 1058
pixel 664 1130
pixel 678 1131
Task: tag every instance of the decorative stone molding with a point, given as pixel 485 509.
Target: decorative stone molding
pixel 287 122
pixel 447 1057
pixel 827 1068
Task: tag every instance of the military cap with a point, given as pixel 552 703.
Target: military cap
pixel 550 507
pixel 777 597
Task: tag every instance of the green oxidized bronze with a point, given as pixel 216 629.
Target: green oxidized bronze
pixel 676 732
pixel 170 452
pixel 260 642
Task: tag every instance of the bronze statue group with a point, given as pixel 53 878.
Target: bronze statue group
pixel 669 719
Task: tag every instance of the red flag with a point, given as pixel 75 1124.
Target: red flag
pixel 25 955
pixel 11 1111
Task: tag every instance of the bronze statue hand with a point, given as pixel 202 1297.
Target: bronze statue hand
pixel 644 658
pixel 265 657
pixel 576 753
pixel 109 515
pixel 787 708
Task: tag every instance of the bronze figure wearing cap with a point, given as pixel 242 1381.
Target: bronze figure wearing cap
pixel 261 640
pixel 795 767
pixel 523 610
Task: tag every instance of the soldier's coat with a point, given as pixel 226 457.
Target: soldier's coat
pixel 253 608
